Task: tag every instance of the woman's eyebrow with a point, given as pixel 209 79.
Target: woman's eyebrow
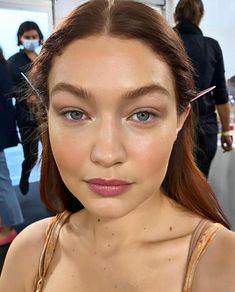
pixel 147 89
pixel 75 90
pixel 129 94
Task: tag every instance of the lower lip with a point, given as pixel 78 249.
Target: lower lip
pixel 109 191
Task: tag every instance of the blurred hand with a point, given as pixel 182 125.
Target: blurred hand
pixel 226 142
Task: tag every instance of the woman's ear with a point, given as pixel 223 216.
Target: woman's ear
pixel 182 117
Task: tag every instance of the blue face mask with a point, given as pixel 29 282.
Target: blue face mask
pixel 30 45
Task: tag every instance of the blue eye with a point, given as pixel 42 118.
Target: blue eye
pixel 75 115
pixel 143 116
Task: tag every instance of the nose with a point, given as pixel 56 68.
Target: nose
pixel 108 148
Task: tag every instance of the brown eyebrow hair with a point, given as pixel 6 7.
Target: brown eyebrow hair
pixel 130 94
pixel 144 90
pixel 75 90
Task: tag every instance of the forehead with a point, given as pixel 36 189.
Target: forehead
pixel 30 33
pixel 106 63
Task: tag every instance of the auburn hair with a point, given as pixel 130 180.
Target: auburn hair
pixel 183 182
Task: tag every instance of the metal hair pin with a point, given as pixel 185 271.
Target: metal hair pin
pixel 31 85
pixel 203 92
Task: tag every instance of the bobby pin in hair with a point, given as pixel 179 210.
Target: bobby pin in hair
pixel 203 92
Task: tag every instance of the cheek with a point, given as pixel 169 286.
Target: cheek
pixel 68 153
pixel 153 152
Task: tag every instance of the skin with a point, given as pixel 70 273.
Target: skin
pixel 111 143
pixel 109 133
pixel 128 243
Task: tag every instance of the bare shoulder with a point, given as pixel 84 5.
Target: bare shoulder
pixel 216 268
pixel 224 248
pixel 22 259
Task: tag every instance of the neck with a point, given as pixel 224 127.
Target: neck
pixel 31 54
pixel 152 221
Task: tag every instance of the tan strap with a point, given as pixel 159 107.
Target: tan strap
pixel 200 241
pixel 49 247
pixel 198 231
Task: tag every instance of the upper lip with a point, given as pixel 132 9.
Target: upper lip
pixel 108 182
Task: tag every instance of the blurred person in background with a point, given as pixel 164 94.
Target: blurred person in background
pixel 207 60
pixel 30 38
pixel 10 212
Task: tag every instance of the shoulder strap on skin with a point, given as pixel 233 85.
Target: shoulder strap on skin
pixel 200 240
pixel 52 235
pixel 198 231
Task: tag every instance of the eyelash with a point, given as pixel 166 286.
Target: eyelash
pixel 150 114
pixel 68 113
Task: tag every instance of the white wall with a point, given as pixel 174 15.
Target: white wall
pixel 219 23
pixel 39 5
pixel 63 7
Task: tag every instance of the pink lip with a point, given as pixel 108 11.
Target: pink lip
pixel 108 188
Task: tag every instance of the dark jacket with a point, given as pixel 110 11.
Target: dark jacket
pixel 8 133
pixel 207 59
pixel 18 63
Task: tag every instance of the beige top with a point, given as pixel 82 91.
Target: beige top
pixel 201 237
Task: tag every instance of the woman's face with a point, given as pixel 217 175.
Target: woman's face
pixel 112 122
pixel 29 35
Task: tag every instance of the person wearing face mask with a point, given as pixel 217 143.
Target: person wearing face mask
pixel 29 38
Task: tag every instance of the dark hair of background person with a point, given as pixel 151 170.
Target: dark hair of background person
pixel 27 26
pixel 183 182
pixel 189 10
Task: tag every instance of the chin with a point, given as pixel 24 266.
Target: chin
pixel 108 209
